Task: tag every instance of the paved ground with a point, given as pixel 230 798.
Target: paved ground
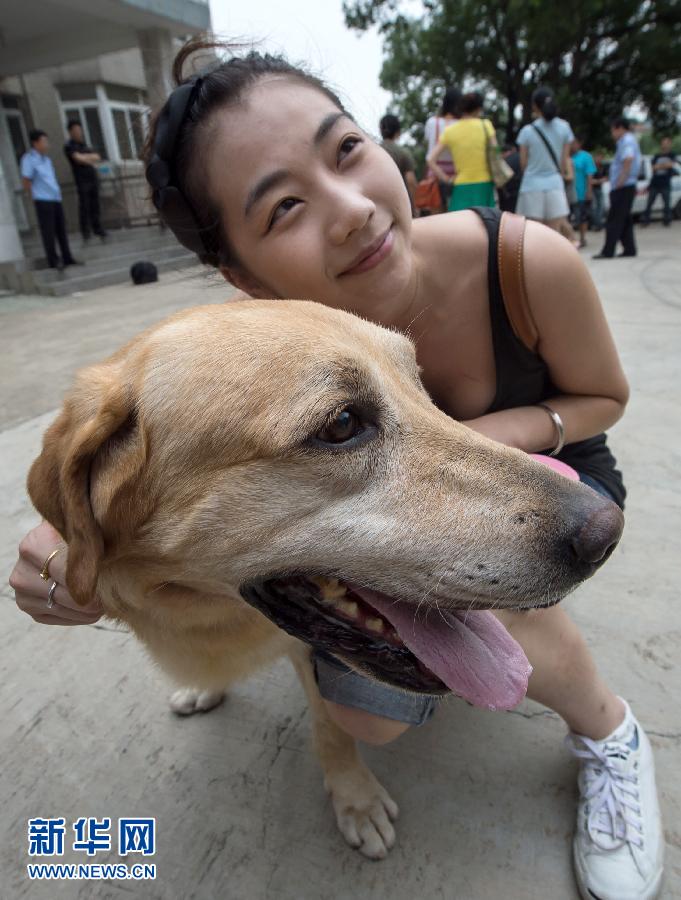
pixel 486 799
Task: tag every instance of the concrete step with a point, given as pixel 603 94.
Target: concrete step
pixel 115 275
pixel 154 254
pixel 115 236
pixel 97 250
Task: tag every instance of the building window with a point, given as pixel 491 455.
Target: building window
pixel 11 112
pixel 130 127
pixel 114 125
pixel 88 116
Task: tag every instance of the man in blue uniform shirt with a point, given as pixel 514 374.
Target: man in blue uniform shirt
pixel 624 171
pixel 38 177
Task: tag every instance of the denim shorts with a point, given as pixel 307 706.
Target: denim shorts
pixel 596 485
pixel 341 684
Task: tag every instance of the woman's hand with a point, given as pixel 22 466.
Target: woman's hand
pixel 31 590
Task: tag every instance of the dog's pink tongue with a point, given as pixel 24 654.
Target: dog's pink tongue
pixel 471 652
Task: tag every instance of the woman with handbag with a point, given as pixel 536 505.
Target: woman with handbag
pixel 467 141
pixel 546 166
pixel 447 115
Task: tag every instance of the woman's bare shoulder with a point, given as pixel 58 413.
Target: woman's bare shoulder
pixel 450 237
pixel 452 249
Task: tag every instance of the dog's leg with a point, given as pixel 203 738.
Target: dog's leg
pixel 187 701
pixel 364 809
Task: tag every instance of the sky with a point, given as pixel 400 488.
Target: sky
pixel 313 32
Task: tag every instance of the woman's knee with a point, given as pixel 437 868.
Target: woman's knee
pixel 365 726
pixel 547 634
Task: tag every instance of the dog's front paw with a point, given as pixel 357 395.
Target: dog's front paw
pixel 188 701
pixel 364 811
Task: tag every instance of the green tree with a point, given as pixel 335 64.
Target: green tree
pixel 598 56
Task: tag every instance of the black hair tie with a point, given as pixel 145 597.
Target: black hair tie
pixel 167 197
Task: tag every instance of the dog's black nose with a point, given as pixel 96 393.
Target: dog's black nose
pixel 598 536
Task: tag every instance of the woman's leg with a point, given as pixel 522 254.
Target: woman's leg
pixel 564 679
pixel 564 676
pixel 562 226
pixel 364 726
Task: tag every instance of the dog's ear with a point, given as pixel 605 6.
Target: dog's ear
pixel 96 425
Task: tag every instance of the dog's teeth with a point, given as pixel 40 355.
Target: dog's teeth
pixel 374 624
pixel 330 588
pixel 348 607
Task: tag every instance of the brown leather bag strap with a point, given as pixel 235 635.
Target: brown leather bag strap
pixel 512 279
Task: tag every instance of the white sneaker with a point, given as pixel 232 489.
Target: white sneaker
pixel 618 845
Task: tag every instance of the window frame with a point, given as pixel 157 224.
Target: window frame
pixel 127 109
pixel 105 108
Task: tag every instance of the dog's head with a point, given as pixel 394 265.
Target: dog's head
pixel 290 452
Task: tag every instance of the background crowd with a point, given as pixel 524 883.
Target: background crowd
pixel 41 185
pixel 547 174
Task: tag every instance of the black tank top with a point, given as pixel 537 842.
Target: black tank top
pixel 523 379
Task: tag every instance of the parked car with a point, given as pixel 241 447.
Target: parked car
pixel 641 198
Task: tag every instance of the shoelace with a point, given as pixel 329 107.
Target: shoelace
pixel 612 795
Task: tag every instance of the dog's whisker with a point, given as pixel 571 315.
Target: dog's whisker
pixel 418 314
pixel 158 587
pixel 470 608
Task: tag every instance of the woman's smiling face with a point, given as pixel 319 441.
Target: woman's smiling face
pixel 312 207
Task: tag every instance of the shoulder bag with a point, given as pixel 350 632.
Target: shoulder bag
pixel 568 179
pixel 427 197
pixel 499 169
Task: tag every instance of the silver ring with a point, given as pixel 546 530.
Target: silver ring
pixel 50 595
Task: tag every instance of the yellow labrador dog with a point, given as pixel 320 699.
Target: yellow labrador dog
pixel 244 481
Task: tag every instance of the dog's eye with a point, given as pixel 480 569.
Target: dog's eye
pixel 341 428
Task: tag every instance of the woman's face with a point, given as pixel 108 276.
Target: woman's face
pixel 312 207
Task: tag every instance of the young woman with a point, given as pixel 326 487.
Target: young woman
pixel 435 126
pixel 322 213
pixel 467 142
pixel 545 163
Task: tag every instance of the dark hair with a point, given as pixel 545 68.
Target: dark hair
pixel 178 133
pixel 542 98
pixel 450 102
pixel 35 134
pixel 390 126
pixel 470 102
pixel 620 122
pixel 72 122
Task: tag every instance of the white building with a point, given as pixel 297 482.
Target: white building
pixel 103 62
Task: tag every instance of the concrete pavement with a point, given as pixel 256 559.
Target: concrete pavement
pixel 486 799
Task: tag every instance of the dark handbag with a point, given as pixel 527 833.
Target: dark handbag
pixel 143 272
pixel 499 169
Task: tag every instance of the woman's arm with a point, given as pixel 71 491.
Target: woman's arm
pixel 576 344
pixel 432 162
pixel 566 167
pixel 524 156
